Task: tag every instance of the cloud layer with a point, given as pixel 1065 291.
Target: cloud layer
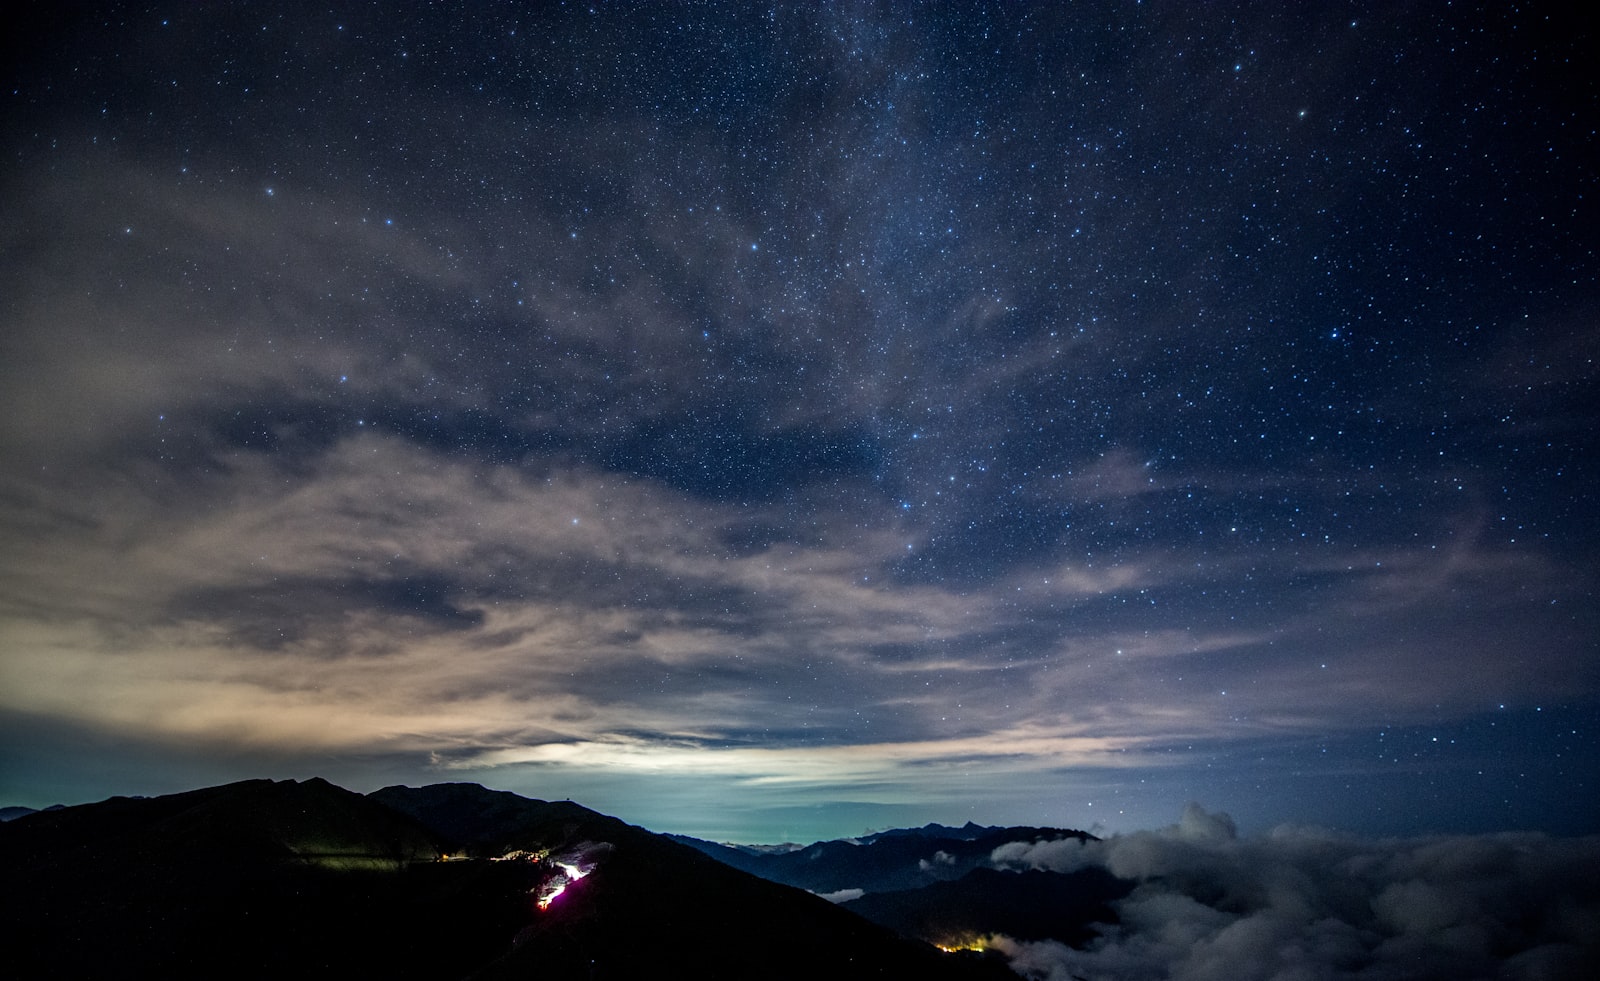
pixel 1024 408
pixel 1302 903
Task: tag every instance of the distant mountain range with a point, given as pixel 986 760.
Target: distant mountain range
pixel 938 883
pixel 899 859
pixel 12 813
pixel 307 880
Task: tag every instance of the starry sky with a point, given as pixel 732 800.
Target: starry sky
pixel 781 421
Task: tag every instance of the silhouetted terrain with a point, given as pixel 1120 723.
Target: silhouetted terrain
pixel 246 880
pixel 1031 905
pixel 939 884
pixel 899 859
pixel 288 879
pixel 649 906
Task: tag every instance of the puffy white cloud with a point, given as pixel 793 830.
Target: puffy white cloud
pixel 1304 904
pixel 1061 855
pixel 940 857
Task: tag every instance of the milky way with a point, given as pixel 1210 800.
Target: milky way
pixel 779 422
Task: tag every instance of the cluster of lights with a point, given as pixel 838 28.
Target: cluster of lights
pixel 558 883
pixel 522 855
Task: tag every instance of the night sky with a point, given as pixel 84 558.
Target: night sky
pixel 779 422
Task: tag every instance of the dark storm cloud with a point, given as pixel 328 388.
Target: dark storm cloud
pixel 1307 903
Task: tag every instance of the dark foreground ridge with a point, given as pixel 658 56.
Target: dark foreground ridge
pixel 305 879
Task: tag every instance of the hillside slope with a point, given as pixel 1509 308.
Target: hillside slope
pixel 304 879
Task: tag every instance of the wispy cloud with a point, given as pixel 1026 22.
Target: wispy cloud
pixel 821 427
pixel 393 598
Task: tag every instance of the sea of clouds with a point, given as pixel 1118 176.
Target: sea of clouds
pixel 1304 904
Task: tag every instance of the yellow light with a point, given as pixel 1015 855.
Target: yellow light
pixel 546 900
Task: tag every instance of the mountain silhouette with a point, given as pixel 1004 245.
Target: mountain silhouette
pixel 307 880
pixel 890 860
pixel 648 906
pixel 1030 905
pixel 938 883
pixel 250 879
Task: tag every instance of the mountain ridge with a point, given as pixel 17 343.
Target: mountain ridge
pixel 267 878
pixel 941 884
pixel 893 860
